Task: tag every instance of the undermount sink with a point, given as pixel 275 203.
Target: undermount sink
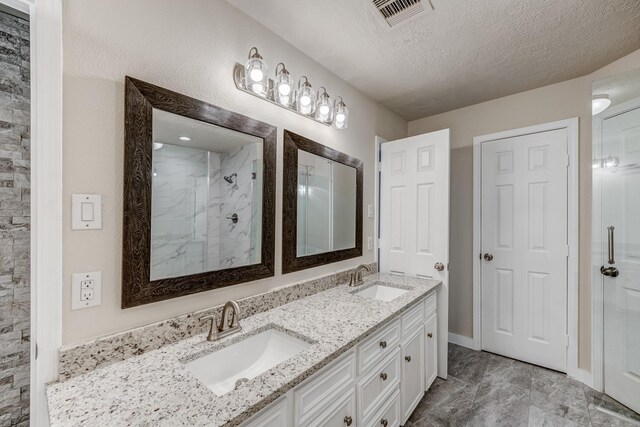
pixel 223 370
pixel 382 292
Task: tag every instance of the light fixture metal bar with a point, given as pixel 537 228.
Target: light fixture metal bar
pixel 239 78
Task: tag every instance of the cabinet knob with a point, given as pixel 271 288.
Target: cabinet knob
pixel 348 420
pixel 488 257
pixel 383 376
pixel 407 358
pixel 430 335
pixel 384 422
pixel 439 266
pixel 383 344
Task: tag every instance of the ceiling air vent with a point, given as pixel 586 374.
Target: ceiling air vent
pixel 398 11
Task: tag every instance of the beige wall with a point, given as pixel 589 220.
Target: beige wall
pixel 564 100
pixel 190 49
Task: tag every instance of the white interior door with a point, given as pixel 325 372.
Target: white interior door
pixel 414 216
pixel 525 247
pixel 620 178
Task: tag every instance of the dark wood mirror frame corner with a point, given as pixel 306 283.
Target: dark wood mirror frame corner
pixel 140 100
pixel 290 261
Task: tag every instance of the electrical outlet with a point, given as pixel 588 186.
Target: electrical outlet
pixel 86 290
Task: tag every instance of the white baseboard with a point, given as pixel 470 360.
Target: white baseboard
pixel 462 340
pixel 583 376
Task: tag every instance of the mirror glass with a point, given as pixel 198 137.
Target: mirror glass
pixel 206 197
pixel 326 205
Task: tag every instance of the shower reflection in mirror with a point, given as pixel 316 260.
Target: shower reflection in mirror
pixel 326 205
pixel 206 197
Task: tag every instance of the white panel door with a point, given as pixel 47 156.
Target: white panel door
pixel 524 241
pixel 621 210
pixel 414 216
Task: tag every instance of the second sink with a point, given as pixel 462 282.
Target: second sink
pixel 382 292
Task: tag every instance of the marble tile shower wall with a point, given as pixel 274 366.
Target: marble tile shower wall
pixel 179 206
pixel 236 247
pixel 14 221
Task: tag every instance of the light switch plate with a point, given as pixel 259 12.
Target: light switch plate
pixel 86 290
pixel 369 243
pixel 369 211
pixel 86 211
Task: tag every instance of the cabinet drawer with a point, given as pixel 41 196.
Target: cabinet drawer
pixel 378 384
pixel 388 415
pixel 413 318
pixel 341 414
pixel 321 390
pixel 378 346
pixel 430 305
pixel 274 415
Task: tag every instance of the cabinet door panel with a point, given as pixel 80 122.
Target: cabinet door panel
pixel 431 353
pixel 412 383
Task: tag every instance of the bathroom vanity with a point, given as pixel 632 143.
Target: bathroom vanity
pixel 346 356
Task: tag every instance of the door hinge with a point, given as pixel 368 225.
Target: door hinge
pixel 568 251
pixel 566 341
pixel 35 357
pixel 566 160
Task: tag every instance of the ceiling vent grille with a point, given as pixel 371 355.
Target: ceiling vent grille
pixel 395 12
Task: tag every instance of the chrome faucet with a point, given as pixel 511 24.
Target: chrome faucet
pixel 356 276
pixel 228 324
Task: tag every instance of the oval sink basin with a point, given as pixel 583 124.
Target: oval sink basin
pixel 244 360
pixel 382 292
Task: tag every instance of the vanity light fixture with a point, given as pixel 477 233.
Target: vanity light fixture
pixel 157 145
pixel 252 78
pixel 324 109
pixel 256 73
pixel 340 114
pixel 305 98
pixel 599 103
pixel 283 92
pixel 184 138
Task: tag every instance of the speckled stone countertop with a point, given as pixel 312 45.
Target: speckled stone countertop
pixel 157 389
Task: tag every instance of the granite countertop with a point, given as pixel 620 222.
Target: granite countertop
pixel 157 389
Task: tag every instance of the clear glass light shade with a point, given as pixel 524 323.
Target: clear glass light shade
pixel 284 88
pixel 324 108
pixel 599 103
pixel 305 98
pixel 255 71
pixel 340 116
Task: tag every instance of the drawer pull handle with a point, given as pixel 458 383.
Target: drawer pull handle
pixel 383 344
pixel 383 376
pixel 348 420
pixel 384 422
pixel 407 358
pixel 430 335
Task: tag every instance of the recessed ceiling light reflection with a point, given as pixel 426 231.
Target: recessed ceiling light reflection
pixel 185 138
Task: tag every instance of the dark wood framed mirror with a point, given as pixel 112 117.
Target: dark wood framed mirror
pixel 321 204
pixel 199 196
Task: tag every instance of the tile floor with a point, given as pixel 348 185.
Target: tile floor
pixel 485 389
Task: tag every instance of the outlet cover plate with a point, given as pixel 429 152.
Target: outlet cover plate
pixel 83 285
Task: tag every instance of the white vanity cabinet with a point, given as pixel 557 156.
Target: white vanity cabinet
pixel 378 383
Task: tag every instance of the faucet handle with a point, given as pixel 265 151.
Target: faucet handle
pixel 214 319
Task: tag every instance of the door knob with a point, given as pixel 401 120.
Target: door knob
pixel 609 271
pixel 488 257
pixel 407 358
pixel 348 420
pixel 383 376
pixel 439 266
pixel 384 422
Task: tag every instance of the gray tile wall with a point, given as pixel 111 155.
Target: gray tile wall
pixel 14 221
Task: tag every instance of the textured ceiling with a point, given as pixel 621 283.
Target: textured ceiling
pixel 462 53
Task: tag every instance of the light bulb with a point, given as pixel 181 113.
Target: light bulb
pixel 305 100
pixel 185 138
pixel 324 110
pixel 256 75
pixel 284 90
pixel 340 117
pixel 599 103
pixel 157 145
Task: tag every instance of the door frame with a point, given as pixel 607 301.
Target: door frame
pixel 597 280
pixel 45 27
pixel 571 125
